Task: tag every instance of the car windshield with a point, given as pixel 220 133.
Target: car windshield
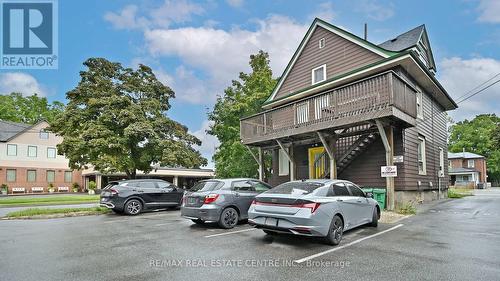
pixel 206 186
pixel 295 188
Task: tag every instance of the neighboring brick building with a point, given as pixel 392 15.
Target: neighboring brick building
pixel 466 168
pixel 29 160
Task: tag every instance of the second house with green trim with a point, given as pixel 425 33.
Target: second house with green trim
pixel 350 109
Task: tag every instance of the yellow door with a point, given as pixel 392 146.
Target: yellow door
pixel 316 165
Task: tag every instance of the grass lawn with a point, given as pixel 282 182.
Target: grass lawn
pixel 459 192
pixel 43 212
pixel 48 200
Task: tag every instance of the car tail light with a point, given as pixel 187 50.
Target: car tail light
pixel 253 202
pixel 113 191
pixel 312 206
pixel 210 198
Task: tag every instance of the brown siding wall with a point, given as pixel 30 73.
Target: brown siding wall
pixel 339 55
pixel 41 178
pixel 433 128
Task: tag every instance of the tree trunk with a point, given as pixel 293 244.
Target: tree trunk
pixel 131 174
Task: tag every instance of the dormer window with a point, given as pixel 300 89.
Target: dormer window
pixel 318 74
pixel 321 43
pixel 44 135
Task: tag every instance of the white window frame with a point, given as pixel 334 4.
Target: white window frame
pixel 441 162
pixel 43 133
pixel 322 43
pixel 55 152
pixel 420 105
pixel 283 163
pixel 14 147
pixel 324 74
pixel 36 151
pixel 469 161
pixel 421 146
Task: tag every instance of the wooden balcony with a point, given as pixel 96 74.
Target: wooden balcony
pixel 385 95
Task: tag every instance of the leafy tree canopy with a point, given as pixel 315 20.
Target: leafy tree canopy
pixel 116 121
pixel 243 98
pixel 480 135
pixel 28 109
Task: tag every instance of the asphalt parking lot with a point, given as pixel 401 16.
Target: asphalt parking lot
pixel 453 240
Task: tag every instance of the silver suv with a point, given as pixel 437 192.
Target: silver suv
pixel 225 201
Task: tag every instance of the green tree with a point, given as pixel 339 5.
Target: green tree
pixel 243 98
pixel 479 135
pixel 116 121
pixel 28 109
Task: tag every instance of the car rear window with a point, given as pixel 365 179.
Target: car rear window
pixel 207 186
pixel 110 185
pixel 295 188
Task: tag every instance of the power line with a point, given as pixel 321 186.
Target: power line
pixel 468 92
pixel 477 92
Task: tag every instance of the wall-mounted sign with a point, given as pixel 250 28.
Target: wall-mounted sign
pixel 388 171
pixel 398 159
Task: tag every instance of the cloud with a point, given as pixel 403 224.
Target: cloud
pixel 222 54
pixel 126 18
pixel 208 142
pixel 20 83
pixel 459 75
pixel 489 11
pixel 375 10
pixel 235 3
pixel 324 11
pixel 169 12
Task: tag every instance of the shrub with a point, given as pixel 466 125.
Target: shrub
pixel 50 187
pixel 75 187
pixel 4 187
pixel 92 185
pixel 407 209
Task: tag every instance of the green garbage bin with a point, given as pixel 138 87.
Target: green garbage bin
pixel 378 195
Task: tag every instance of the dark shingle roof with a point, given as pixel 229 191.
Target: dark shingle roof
pixel 10 129
pixel 460 170
pixel 404 41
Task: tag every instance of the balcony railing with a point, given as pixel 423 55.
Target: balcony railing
pixel 363 100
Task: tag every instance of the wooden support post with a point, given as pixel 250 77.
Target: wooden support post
pixel 331 155
pixel 289 155
pixel 387 138
pixel 260 161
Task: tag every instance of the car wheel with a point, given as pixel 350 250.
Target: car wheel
pixel 133 207
pixel 228 218
pixel 374 222
pixel 269 232
pixel 336 231
pixel 198 221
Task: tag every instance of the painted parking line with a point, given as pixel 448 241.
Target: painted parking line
pixel 347 245
pixel 231 232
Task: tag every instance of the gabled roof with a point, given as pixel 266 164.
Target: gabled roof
pixel 8 129
pixel 338 31
pixel 404 41
pixel 464 155
pixel 390 49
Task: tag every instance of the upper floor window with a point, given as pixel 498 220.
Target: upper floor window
pixel 51 152
pixel 11 149
pixel 420 106
pixel 319 74
pixel 32 151
pixel 44 135
pixel 422 169
pixel 470 163
pixel 321 43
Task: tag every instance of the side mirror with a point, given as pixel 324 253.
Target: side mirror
pixel 369 195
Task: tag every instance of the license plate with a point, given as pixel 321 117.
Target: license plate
pixel 271 221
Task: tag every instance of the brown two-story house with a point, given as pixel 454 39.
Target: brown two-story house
pixel 344 107
pixel 467 169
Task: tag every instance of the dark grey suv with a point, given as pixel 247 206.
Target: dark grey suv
pixel 225 201
pixel 134 196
